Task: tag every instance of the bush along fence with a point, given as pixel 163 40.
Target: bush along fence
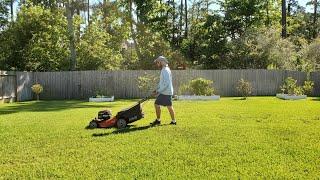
pixel 125 84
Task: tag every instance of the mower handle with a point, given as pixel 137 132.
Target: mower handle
pixel 145 99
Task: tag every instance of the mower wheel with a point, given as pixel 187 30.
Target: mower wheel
pixel 93 124
pixel 121 123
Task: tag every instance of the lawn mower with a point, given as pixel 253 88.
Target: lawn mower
pixel 124 117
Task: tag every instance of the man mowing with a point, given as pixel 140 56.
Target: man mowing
pixel 164 91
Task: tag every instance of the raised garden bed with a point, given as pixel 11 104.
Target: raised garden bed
pixel 7 99
pixel 194 97
pixel 291 97
pixel 102 99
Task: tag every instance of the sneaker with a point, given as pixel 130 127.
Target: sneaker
pixel 155 122
pixel 173 123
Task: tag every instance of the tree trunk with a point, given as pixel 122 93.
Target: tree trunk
pixel 173 23
pixel 181 16
pixel 268 15
pixel 315 19
pixel 88 12
pixel 133 34
pixel 289 7
pixel 11 9
pixel 207 6
pixel 104 9
pixel 186 18
pixel 69 12
pixel 284 20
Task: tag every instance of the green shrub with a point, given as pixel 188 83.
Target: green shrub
pixel 184 89
pixel 298 91
pixel 308 87
pixel 199 86
pixel 290 84
pixel 147 82
pixel 244 88
pixel 37 89
pixel 101 94
pixel 291 88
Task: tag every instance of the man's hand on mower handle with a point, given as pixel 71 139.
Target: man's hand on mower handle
pixel 154 93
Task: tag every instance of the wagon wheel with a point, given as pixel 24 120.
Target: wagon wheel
pixel 121 123
pixel 93 124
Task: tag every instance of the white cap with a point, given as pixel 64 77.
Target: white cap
pixel 161 58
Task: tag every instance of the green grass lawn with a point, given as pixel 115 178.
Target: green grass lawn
pixel 262 137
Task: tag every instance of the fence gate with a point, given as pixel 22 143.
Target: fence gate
pixel 8 86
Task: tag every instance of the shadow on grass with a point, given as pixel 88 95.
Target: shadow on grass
pixel 126 130
pixel 46 106
pixel 316 99
pixel 241 99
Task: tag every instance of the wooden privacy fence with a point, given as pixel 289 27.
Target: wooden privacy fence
pixel 7 86
pixel 124 84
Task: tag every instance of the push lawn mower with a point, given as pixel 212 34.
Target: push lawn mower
pixel 124 117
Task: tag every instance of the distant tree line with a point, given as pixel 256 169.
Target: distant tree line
pixel 56 35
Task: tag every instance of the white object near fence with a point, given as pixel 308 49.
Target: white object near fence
pixel 291 97
pixel 193 97
pixel 101 99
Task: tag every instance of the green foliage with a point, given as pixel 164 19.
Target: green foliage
pixel 198 86
pixel 308 87
pixel 94 51
pixel 185 89
pixel 289 85
pixel 201 86
pixel 37 89
pixel 244 88
pixel 241 34
pixel 36 41
pixel 310 55
pixel 4 13
pixel 298 91
pixel 101 94
pixel 147 83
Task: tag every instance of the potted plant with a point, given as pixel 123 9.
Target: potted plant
pixel 291 91
pixel 197 89
pixel 37 89
pixel 100 97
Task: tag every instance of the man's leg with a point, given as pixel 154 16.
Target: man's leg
pixel 158 111
pixel 172 114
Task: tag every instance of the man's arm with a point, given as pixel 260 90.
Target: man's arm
pixel 164 82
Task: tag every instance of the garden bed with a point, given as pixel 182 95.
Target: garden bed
pixel 194 97
pixel 7 99
pixel 291 97
pixel 101 99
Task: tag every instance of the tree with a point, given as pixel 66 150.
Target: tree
pixel 315 9
pixel 95 51
pixel 241 15
pixel 284 19
pixel 36 41
pixel 69 15
pixel 186 18
pixel 3 13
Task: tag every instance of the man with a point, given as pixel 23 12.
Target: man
pixel 164 91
